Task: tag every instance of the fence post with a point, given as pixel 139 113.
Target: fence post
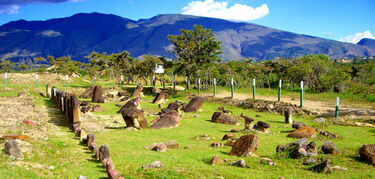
pixel 186 81
pixel 94 80
pixel 163 82
pixel 279 96
pixel 199 85
pixel 214 86
pixel 6 78
pixel 232 87
pixel 301 96
pixel 253 88
pixel 66 79
pixel 122 81
pixel 36 80
pixel 337 107
pixel 174 83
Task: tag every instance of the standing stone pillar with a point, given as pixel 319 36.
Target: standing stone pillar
pixel 288 114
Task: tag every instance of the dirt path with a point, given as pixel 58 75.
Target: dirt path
pixel 322 108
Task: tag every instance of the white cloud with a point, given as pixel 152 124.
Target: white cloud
pixel 237 12
pixel 355 38
pixel 9 9
pixel 12 6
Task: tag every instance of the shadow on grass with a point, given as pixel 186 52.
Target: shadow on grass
pixel 277 122
pixel 56 117
pixel 226 153
pixel 121 127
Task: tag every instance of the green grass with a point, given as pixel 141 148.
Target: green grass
pixel 71 159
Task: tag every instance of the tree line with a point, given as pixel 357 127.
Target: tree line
pixel 197 55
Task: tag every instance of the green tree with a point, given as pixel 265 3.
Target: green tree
pixel 6 65
pixel 195 49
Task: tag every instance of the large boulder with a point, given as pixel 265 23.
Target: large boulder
pixel 167 120
pixel 367 153
pixel 223 118
pixel 160 98
pixel 194 105
pixel 137 91
pixel 303 132
pixel 245 146
pixel 134 117
pixel 97 94
pixel 88 93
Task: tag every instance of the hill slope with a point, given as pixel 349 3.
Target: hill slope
pixel 80 34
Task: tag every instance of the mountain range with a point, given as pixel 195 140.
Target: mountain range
pixel 80 34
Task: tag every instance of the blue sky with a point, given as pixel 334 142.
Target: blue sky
pixel 344 20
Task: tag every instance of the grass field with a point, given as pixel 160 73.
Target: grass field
pixel 69 159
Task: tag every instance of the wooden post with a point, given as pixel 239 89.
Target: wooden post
pixel 301 96
pixel 214 86
pixel 253 88
pixel 337 107
pixel 66 78
pixel 186 83
pixel 36 80
pixel 232 88
pixel 279 96
pixel 94 80
pixel 199 85
pixel 6 79
pixel 174 83
pixel 122 80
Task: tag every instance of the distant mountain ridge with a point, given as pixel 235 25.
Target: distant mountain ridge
pixel 80 34
pixel 370 43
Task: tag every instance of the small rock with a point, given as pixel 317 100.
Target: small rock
pixel 303 132
pixel 11 147
pixel 267 161
pixel 28 122
pixel 234 130
pixel 161 147
pixel 258 115
pixel 324 167
pixel 217 145
pixel 297 125
pixel 81 177
pixel 156 164
pixel 196 116
pixel 51 167
pixel 330 148
pixel 262 127
pixel 21 94
pixel 338 168
pixel 216 160
pixel 320 120
pixel 187 147
pixel 228 136
pixel 245 146
pixel 329 134
pixel 96 108
pixel 240 163
pixel 310 161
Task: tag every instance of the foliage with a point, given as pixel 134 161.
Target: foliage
pixel 195 50
pixel 6 65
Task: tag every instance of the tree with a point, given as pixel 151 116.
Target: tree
pixel 195 49
pixel 6 65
